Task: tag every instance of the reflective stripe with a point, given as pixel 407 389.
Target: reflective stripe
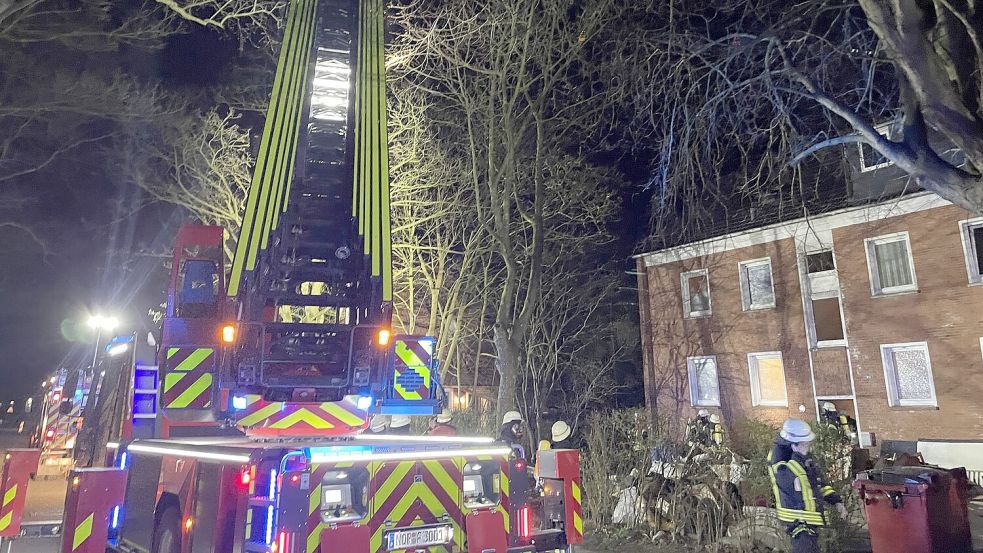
pixel 82 532
pixel 811 514
pixel 828 491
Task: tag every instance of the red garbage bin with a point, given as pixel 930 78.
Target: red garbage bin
pixel 916 509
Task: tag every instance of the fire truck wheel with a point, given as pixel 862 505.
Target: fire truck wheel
pixel 167 533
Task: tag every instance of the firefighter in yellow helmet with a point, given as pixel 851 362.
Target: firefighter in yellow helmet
pixel 799 487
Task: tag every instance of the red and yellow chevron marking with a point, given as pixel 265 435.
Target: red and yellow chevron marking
pixel 7 509
pixel 278 418
pixel 411 368
pixel 575 512
pixel 188 378
pixel 416 493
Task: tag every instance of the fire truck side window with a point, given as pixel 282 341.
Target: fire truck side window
pixel 198 291
pixel 482 484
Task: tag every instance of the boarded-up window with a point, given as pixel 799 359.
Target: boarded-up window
pixel 827 319
pixel 891 266
pixel 908 374
pixel 767 379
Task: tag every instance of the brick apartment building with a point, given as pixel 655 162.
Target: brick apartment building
pixel 877 308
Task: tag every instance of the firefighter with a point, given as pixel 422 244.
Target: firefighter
pixel 441 425
pixel 699 430
pixel 511 432
pixel 400 426
pixel 846 424
pixel 379 424
pixel 798 486
pixel 716 431
pixel 559 432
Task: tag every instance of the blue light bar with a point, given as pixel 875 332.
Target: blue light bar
pixel 337 451
pixel 114 524
pixel 273 485
pixel 269 524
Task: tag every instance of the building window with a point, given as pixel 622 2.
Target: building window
pixel 890 265
pixel 871 159
pixel 767 379
pixel 696 293
pixel 819 262
pixel 827 320
pixel 704 388
pixel 757 288
pixel 972 237
pixel 908 374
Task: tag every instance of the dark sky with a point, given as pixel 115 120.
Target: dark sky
pixel 94 247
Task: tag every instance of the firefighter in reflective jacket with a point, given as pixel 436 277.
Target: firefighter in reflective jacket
pixel 841 421
pixel 699 429
pixel 799 488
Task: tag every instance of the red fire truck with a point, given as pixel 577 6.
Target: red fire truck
pixel 248 435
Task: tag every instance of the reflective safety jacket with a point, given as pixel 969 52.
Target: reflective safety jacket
pixel 799 487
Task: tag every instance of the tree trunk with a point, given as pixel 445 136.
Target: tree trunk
pixel 507 364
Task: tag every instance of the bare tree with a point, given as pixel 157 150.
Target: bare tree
pixel 735 96
pixel 200 162
pixel 511 83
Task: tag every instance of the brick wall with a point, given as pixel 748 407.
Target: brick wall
pixel 730 333
pixel 946 312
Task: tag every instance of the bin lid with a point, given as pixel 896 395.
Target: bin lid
pixel 908 475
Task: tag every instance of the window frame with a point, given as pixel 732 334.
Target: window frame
pixel 691 368
pixel 890 375
pixel 876 290
pixel 885 130
pixel 755 379
pixel 684 277
pixel 966 227
pixel 746 300
pixel 819 251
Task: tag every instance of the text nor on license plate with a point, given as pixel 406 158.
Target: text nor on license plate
pixel 419 537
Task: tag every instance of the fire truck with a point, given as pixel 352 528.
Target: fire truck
pixel 248 432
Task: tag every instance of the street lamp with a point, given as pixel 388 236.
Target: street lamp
pixel 101 323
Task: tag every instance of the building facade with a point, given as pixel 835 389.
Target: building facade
pixel 878 309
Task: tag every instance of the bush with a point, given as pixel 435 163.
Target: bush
pixel 616 443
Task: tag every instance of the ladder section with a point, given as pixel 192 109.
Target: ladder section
pixel 313 256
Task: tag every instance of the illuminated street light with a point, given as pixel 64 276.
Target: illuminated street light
pixel 101 323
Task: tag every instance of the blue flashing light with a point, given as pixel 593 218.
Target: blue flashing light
pixel 122 460
pixel 269 524
pixel 337 451
pixel 238 403
pixel 273 485
pixel 364 402
pixel 114 523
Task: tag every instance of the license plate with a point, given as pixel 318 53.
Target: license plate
pixel 419 537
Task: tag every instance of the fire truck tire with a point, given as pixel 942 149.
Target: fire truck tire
pixel 167 532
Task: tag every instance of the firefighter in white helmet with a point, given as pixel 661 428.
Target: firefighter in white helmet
pixel 512 432
pixel 559 432
pixel 441 425
pixel 379 424
pixel 799 487
pixel 400 425
pixel 699 430
pixel 841 421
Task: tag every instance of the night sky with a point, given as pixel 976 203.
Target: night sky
pixel 97 245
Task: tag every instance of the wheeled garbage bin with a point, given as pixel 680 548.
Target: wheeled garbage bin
pixel 916 509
